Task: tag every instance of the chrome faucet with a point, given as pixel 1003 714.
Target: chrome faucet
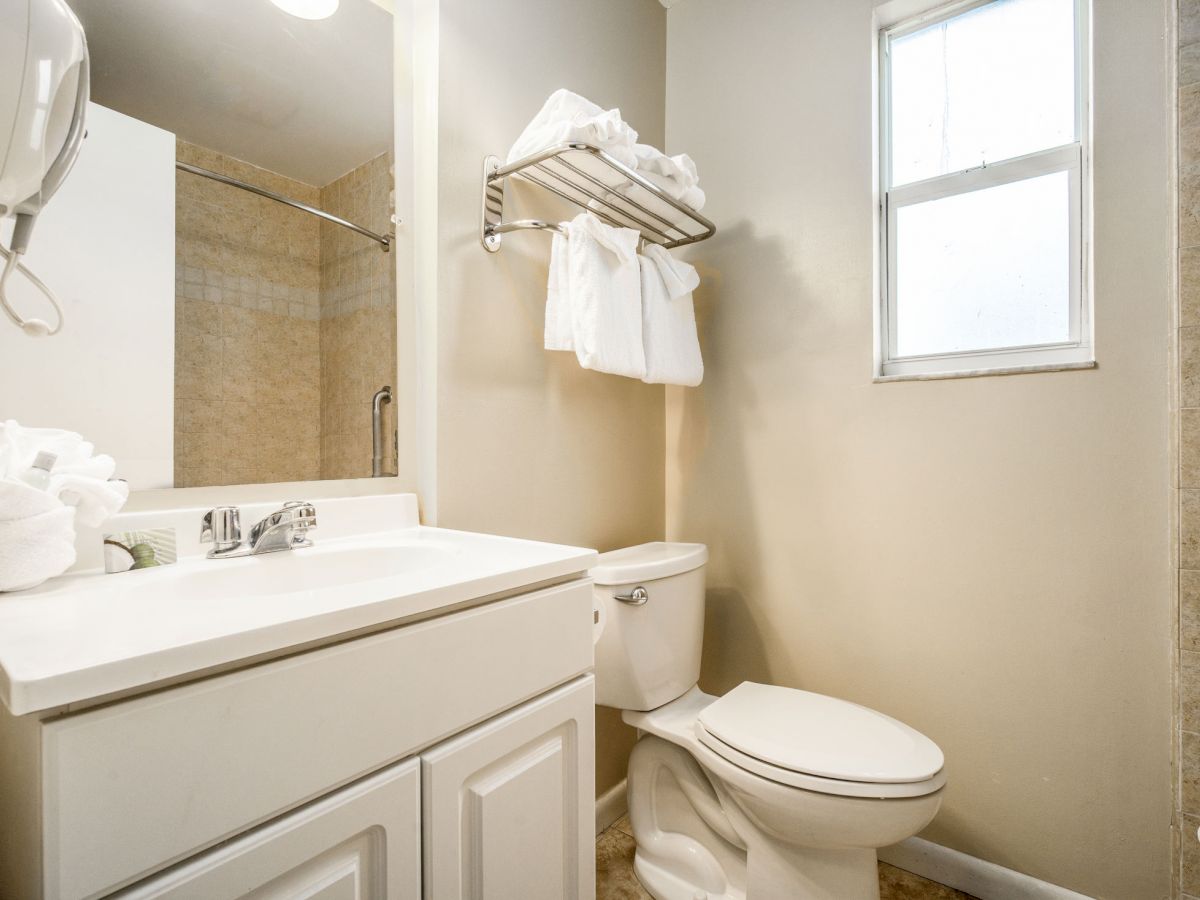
pixel 284 529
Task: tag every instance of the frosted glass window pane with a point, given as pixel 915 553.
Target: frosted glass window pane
pixel 985 270
pixel 991 84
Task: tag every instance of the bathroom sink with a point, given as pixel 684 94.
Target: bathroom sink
pixel 291 571
pixel 87 634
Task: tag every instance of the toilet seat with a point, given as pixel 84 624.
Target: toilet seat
pixel 836 787
pixel 819 743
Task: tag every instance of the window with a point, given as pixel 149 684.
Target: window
pixel 983 159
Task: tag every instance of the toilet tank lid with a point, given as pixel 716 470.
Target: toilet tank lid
pixel 645 562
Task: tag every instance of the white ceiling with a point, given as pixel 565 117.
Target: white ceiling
pixel 309 100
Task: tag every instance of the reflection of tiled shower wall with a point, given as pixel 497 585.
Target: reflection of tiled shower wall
pixel 247 389
pixel 358 319
pixel 1188 432
pixel 285 325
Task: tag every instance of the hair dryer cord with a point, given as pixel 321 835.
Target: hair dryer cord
pixel 32 327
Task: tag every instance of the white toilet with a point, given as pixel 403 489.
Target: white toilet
pixel 767 792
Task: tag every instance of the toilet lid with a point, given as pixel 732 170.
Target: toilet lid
pixel 817 735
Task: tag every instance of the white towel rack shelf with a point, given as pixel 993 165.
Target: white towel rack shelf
pixel 592 179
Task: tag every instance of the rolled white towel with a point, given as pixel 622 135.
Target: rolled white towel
pixel 676 175
pixel 37 536
pixel 94 499
pixel 672 348
pixel 605 297
pixel 80 476
pixel 566 116
pixel 19 445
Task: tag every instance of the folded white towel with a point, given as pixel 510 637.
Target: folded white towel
pixel 672 349
pixel 676 175
pixel 79 477
pixel 569 117
pixel 605 297
pixel 560 334
pixel 37 536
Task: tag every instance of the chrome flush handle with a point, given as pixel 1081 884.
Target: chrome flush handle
pixel 637 597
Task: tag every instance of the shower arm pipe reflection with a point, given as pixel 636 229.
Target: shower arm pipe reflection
pixel 384 240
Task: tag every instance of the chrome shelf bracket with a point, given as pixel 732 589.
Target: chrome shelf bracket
pixel 492 208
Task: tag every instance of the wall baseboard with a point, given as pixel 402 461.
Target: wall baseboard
pixel 970 874
pixel 610 806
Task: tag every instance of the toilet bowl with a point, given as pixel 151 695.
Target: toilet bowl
pixel 766 792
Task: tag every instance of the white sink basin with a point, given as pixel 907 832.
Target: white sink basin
pixel 289 571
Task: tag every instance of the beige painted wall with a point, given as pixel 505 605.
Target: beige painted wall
pixel 986 559
pixel 527 443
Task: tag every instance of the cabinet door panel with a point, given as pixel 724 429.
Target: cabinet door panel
pixel 508 806
pixel 359 843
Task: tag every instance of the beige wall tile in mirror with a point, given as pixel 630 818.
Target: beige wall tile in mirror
pixel 285 323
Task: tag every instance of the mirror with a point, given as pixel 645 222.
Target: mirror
pixel 284 326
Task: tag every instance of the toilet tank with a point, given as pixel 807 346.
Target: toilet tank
pixel 648 649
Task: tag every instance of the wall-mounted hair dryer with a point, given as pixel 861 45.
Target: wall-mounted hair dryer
pixel 43 97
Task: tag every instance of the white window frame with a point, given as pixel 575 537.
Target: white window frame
pixel 1074 158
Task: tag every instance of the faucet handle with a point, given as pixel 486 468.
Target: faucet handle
pixel 222 526
pixel 304 517
pixel 301 509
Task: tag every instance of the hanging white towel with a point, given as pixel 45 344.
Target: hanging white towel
pixel 560 333
pixel 676 175
pixel 566 116
pixel 605 297
pixel 672 348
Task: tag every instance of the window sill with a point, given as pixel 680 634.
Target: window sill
pixel 980 373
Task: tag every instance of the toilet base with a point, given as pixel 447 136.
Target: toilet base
pixel 701 838
pixel 686 847
pixel 664 885
pixel 827 875
pixel 778 872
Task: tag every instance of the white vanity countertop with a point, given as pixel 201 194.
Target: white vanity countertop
pixel 88 635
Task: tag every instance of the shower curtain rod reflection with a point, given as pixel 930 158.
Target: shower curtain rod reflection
pixel 384 240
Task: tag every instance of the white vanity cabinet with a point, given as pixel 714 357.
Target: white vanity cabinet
pixel 465 739
pixel 506 804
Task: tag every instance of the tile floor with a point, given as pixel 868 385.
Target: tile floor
pixel 615 879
